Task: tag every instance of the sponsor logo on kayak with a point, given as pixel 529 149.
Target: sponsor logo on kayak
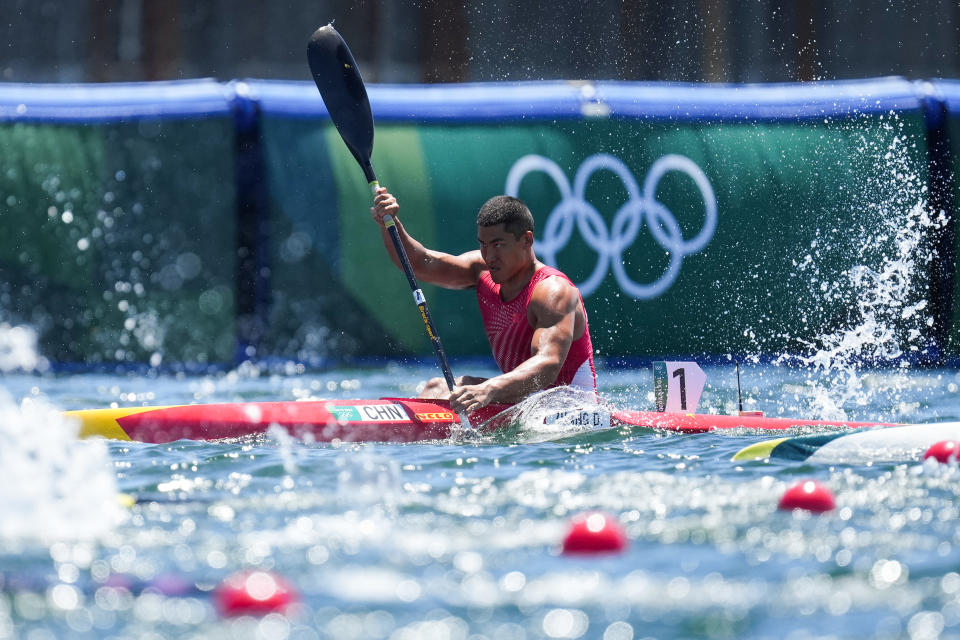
pixel 641 209
pixel 368 413
pixel 437 415
pixel 592 419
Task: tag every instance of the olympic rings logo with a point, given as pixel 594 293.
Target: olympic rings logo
pixel 639 208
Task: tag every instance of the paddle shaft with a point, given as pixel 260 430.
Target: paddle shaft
pixel 418 297
pixel 340 85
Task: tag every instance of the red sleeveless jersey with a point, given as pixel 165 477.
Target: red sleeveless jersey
pixel 510 333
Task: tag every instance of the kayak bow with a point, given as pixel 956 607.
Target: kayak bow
pixel 883 444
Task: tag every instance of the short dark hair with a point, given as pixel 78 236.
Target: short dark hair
pixel 508 211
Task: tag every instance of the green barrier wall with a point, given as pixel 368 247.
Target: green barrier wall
pixel 953 349
pixel 797 207
pixel 119 239
pixel 757 220
pixel 316 308
pixel 950 90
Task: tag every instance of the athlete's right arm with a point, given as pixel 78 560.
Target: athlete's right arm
pixel 435 267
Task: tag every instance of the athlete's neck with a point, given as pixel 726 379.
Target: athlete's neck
pixel 511 288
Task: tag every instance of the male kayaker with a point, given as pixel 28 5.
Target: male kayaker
pixel 533 314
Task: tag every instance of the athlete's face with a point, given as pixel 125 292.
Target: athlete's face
pixel 504 254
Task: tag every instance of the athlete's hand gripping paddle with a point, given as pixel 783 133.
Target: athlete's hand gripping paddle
pixel 343 92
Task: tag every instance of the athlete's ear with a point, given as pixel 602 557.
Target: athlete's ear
pixel 528 238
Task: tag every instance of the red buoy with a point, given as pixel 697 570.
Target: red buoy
pixel 254 593
pixel 594 533
pixel 943 451
pixel 808 495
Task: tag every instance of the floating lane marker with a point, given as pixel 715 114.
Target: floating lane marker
pixel 943 451
pixel 592 533
pixel 807 495
pixel 254 593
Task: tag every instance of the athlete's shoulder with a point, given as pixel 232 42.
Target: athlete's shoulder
pixel 555 293
pixel 473 262
pixel 545 271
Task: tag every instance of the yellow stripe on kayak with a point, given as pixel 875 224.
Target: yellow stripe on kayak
pixel 103 422
pixel 758 450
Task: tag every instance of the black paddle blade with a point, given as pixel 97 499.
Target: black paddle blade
pixel 341 87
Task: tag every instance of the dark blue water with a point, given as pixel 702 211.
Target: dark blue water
pixel 461 539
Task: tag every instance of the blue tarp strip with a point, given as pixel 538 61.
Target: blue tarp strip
pixel 759 102
pixel 548 100
pixel 88 103
pixel 949 92
pixel 474 101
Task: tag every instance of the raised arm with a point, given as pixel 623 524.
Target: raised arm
pixel 554 308
pixel 443 269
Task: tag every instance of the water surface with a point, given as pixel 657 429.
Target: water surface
pixel 460 539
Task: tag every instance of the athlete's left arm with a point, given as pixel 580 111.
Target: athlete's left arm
pixel 553 311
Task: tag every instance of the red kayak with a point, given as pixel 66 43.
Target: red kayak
pixel 385 420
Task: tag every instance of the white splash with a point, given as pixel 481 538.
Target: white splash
pixel 55 487
pixel 889 302
pixel 18 349
pixel 885 288
pixel 550 415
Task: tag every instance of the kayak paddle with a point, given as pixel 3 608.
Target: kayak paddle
pixel 341 87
